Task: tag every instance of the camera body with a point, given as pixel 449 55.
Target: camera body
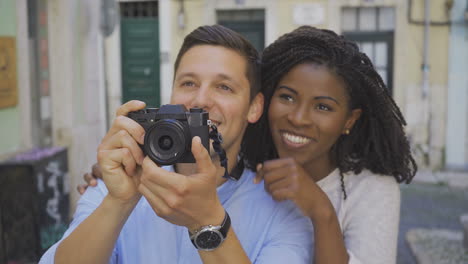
pixel 169 131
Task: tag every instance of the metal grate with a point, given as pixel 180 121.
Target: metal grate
pixel 139 9
pixel 241 15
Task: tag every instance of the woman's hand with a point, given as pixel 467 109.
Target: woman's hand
pixel 90 178
pixel 285 179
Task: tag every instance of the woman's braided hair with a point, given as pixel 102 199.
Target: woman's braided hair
pixel 377 141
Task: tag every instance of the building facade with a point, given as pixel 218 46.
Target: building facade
pixel 422 63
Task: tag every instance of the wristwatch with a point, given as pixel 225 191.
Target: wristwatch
pixel 210 237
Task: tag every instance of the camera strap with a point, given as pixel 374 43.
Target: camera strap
pixel 217 141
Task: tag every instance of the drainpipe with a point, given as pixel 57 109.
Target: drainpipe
pixel 426 93
pixel 425 62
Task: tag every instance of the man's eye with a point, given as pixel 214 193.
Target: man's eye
pixel 225 87
pixel 188 83
pixel 286 97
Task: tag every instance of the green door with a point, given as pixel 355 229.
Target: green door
pixel 140 59
pixel 250 23
pixel 254 31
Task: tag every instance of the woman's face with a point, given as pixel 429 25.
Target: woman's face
pixel 309 111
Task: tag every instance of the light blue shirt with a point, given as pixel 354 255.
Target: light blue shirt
pixel 269 231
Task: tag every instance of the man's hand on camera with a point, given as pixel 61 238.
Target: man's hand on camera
pixel 120 157
pixel 190 201
pixel 90 179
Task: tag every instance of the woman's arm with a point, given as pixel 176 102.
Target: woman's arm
pixel 329 246
pixel 372 219
pixel 285 179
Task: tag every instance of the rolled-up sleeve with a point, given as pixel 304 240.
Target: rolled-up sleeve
pixel 86 205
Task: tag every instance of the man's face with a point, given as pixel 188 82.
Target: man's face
pixel 214 78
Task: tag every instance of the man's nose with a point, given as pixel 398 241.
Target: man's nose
pixel 203 98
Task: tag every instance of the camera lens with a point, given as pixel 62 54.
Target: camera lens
pixel 167 141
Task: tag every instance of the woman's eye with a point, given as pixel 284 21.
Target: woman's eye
pixel 286 97
pixel 324 107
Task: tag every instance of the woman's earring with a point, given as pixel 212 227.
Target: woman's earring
pixel 346 132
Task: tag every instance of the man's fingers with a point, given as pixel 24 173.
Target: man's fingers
pixel 123 140
pixel 130 106
pixel 202 158
pixel 158 205
pixel 155 175
pixel 129 125
pixel 129 162
pixel 112 160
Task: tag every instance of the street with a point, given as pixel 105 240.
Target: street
pixel 426 205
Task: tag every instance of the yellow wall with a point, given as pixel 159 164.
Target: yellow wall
pixel 426 116
pixel 438 44
pixel 193 18
pixel 285 9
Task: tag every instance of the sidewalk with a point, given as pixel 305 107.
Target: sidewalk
pixel 451 178
pixel 441 244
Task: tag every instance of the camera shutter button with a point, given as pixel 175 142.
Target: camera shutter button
pixel 196 110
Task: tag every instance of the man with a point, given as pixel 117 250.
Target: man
pixel 187 213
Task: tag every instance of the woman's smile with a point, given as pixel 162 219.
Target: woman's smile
pixel 293 140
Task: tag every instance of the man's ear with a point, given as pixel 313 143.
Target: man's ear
pixel 353 117
pixel 256 108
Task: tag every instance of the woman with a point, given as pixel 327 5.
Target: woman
pixel 334 144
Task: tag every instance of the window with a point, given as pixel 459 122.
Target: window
pixel 139 9
pixel 372 28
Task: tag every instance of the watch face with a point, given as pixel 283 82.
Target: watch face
pixel 209 239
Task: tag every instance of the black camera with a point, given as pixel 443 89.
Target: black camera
pixel 169 132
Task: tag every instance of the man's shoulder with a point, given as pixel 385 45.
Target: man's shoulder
pixel 247 188
pixel 256 199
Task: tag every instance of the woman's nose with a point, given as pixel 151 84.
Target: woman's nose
pixel 300 116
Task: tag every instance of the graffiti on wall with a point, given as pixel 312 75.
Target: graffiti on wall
pixel 51 174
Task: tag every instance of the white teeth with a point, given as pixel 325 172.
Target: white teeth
pixel 296 139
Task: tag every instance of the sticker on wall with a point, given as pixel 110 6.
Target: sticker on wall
pixel 8 81
pixel 309 14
